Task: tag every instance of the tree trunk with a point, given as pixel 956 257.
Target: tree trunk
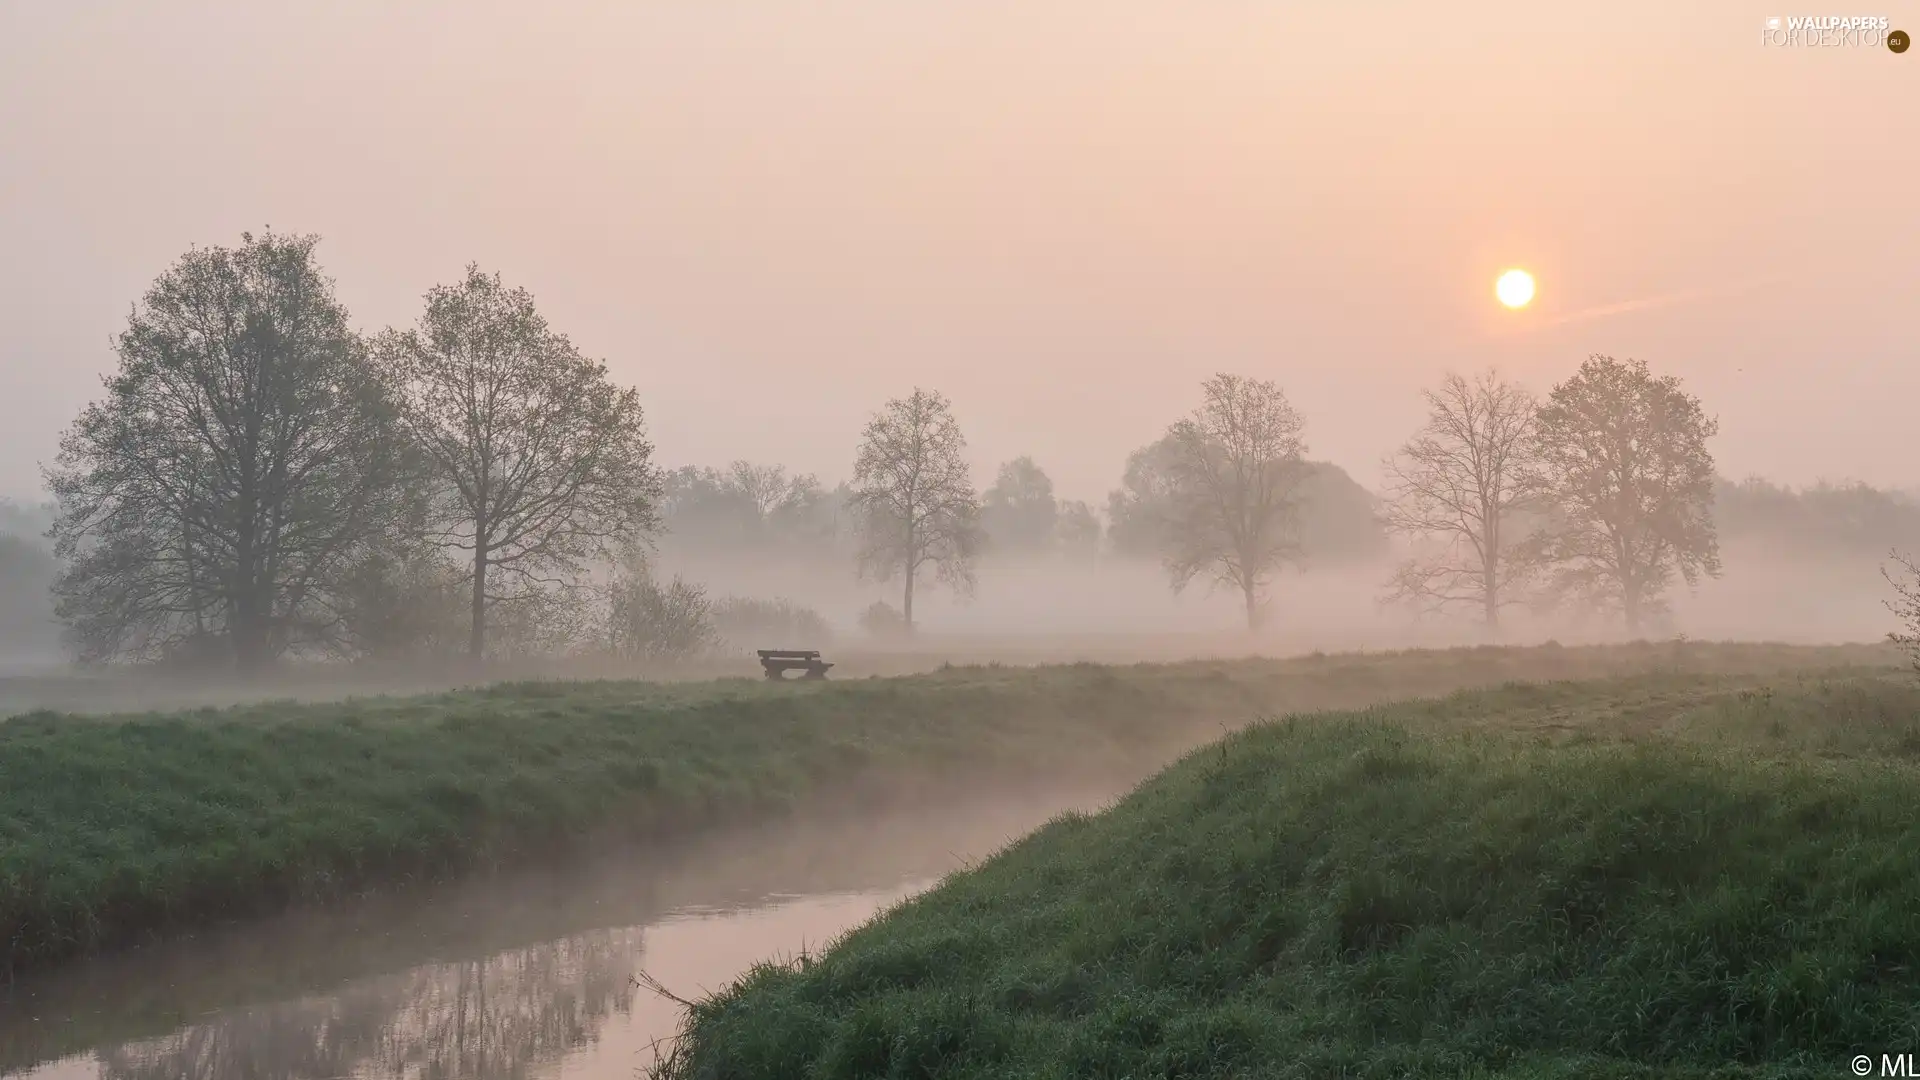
pixel 244 622
pixel 1490 591
pixel 1630 605
pixel 477 639
pixel 906 604
pixel 1253 607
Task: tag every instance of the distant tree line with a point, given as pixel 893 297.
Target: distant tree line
pixel 1826 519
pixel 27 573
pixel 260 481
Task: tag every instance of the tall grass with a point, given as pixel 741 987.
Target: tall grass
pixel 1661 882
pixel 113 828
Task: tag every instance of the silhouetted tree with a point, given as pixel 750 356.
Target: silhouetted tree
pixel 244 456
pixel 749 507
pixel 916 506
pixel 1622 456
pixel 541 462
pixel 1334 519
pixel 24 520
pixel 27 573
pixel 1339 521
pixel 1462 484
pixel 1019 513
pixel 1078 530
pixel 1825 519
pixel 1235 481
pixel 1140 510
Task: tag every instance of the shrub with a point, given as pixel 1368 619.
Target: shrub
pixel 651 621
pixel 883 620
pixel 745 623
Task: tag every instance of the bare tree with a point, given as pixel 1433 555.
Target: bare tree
pixel 1460 486
pixel 1234 483
pixel 1905 604
pixel 765 488
pixel 244 456
pixel 1623 457
pixel 541 462
pixel 916 505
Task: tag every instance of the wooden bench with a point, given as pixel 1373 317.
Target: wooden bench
pixel 780 661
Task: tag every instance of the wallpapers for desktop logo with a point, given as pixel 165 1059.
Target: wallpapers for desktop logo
pixel 1832 31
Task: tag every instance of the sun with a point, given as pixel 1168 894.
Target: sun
pixel 1515 288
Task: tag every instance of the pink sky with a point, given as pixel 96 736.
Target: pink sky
pixel 771 217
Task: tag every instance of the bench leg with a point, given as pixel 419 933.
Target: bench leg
pixel 816 673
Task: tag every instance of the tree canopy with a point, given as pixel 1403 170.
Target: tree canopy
pixel 1622 458
pixel 244 456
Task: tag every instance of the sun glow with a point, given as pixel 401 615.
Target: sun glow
pixel 1515 288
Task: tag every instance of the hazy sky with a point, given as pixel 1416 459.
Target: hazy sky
pixel 772 216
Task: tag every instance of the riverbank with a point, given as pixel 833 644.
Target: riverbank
pixel 333 990
pixel 115 829
pixel 1634 878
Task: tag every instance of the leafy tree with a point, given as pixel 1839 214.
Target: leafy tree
pixel 1019 513
pixel 700 507
pixel 27 574
pixel 1339 520
pixel 1335 519
pixel 748 507
pixel 1463 484
pixel 1078 530
pixel 243 459
pixel 917 508
pixel 1622 456
pixel 541 463
pixel 1235 481
pixel 25 521
pixel 1140 510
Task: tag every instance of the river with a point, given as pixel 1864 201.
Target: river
pixel 521 976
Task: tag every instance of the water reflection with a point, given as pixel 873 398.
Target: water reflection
pixel 508 978
pixel 492 1019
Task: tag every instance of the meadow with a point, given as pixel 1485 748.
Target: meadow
pixel 117 828
pixel 1652 876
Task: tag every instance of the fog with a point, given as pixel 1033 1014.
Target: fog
pixel 772 219
pixel 513 975
pixel 1124 608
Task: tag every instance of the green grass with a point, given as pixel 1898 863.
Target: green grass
pixel 1636 878
pixel 119 827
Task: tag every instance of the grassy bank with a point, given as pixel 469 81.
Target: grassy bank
pixel 1623 879
pixel 112 828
